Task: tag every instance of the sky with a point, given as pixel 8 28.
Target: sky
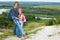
pixel 33 0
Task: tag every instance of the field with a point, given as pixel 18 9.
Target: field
pixel 51 7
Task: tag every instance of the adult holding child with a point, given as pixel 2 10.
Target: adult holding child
pixel 18 19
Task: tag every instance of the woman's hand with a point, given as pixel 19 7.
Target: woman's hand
pixel 16 18
pixel 20 18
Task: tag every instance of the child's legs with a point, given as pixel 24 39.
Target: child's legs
pixel 21 28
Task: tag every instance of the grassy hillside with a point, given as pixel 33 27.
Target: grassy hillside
pixel 32 22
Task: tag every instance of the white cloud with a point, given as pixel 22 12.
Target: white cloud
pixel 51 0
pixel 34 0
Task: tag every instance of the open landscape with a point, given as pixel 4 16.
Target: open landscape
pixel 42 17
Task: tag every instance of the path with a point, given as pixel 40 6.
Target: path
pixel 48 33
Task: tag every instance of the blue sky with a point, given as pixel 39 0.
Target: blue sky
pixel 33 0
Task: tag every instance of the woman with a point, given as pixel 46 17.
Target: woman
pixel 17 24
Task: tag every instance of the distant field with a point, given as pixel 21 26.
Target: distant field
pixel 50 7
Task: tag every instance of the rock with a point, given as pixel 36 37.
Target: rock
pixel 1 33
pixel 43 34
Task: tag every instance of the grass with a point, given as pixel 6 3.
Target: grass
pixel 50 7
pixel 30 25
pixel 27 27
pixel 7 32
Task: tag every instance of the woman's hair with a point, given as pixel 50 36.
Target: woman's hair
pixel 16 2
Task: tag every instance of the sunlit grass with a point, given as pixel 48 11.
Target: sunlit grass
pixel 50 7
pixel 7 32
pixel 27 27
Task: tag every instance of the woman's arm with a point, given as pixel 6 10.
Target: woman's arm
pixel 20 18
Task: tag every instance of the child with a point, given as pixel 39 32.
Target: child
pixel 21 19
pixel 21 16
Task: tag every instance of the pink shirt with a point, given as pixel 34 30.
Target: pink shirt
pixel 21 15
pixel 23 18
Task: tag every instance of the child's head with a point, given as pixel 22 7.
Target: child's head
pixel 20 11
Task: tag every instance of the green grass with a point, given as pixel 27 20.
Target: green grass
pixel 50 7
pixel 33 24
pixel 27 27
pixel 7 32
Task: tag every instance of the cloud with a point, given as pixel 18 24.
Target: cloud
pixel 34 0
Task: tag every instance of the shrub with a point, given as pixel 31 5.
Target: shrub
pixel 58 19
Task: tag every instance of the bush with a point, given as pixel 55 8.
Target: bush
pixel 4 22
pixel 51 22
pixel 30 17
pixel 58 19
